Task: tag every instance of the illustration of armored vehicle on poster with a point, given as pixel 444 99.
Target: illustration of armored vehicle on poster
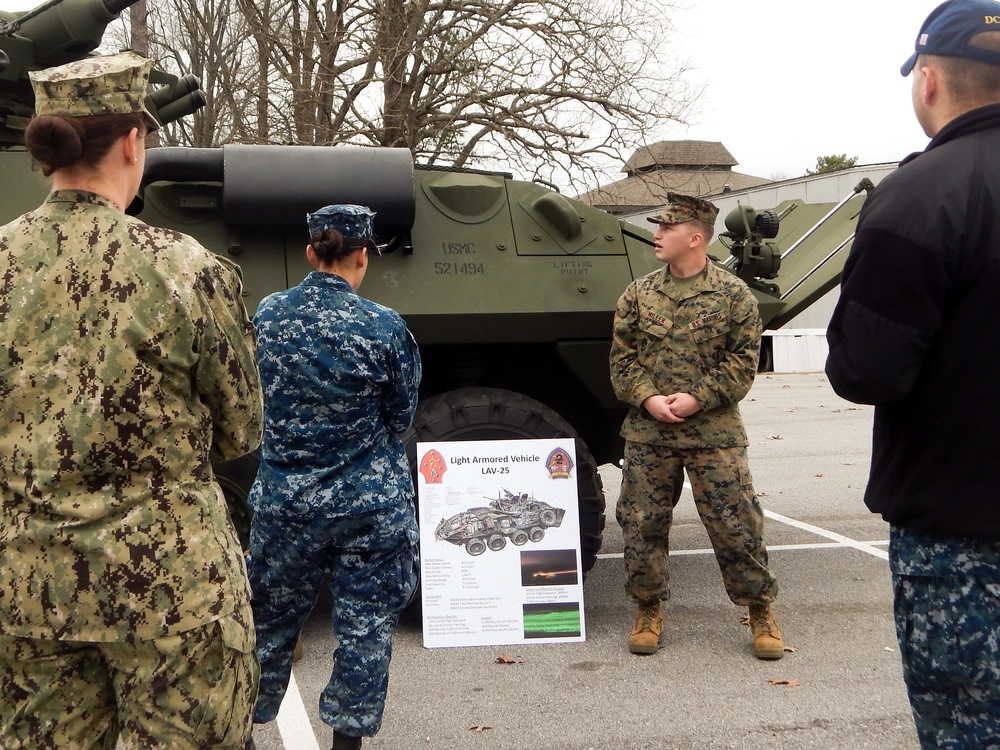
pixel 518 517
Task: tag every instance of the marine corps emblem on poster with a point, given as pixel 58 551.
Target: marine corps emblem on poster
pixel 433 467
pixel 559 464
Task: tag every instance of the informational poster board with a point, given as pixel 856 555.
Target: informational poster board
pixel 499 542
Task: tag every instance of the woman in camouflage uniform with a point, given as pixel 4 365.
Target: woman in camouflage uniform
pixel 334 495
pixel 127 366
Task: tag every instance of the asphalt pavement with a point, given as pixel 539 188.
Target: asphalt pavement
pixel 839 685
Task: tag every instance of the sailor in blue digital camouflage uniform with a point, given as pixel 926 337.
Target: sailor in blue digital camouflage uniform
pixel 334 492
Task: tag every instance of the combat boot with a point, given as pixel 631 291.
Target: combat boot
pixel 648 631
pixel 767 640
pixel 344 742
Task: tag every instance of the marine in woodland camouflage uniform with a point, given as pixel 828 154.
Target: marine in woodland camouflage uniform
pixel 699 336
pixel 127 366
pixel 334 494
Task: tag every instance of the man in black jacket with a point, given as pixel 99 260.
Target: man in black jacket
pixel 917 333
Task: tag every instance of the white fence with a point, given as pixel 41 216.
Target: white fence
pixel 798 349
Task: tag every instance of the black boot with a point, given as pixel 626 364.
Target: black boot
pixel 345 742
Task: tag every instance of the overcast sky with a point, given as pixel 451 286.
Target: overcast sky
pixel 788 81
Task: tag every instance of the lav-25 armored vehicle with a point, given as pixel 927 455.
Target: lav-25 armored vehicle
pixel 513 516
pixel 509 287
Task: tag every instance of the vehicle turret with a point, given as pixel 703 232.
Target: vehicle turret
pixel 62 31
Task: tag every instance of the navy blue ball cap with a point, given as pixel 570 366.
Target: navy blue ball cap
pixel 949 27
pixel 354 222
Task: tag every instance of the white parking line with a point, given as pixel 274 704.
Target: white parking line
pixel 293 721
pixel 770 548
pixel 839 540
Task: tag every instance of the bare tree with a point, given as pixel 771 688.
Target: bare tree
pixel 545 87
pixel 207 39
pixel 139 28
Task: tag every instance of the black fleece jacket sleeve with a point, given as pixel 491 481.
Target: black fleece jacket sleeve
pixel 891 302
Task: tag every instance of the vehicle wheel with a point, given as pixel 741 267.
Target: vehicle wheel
pixel 475 547
pixel 519 538
pixel 236 478
pixel 547 517
pixel 498 414
pixel 536 534
pixel 496 543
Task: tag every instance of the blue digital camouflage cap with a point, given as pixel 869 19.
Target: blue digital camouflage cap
pixel 950 26
pixel 97 85
pixel 354 222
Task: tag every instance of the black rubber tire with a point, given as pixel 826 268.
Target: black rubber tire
pixel 519 538
pixel 498 414
pixel 475 547
pixel 536 534
pixel 496 542
pixel 236 477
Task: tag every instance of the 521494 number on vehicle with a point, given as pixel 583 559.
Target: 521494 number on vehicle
pixel 455 269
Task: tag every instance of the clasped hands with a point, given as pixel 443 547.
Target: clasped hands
pixel 672 408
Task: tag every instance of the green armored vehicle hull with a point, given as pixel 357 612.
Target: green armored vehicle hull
pixel 508 287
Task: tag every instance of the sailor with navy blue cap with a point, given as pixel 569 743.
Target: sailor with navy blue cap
pixel 916 332
pixel 353 222
pixel 950 27
pixel 333 496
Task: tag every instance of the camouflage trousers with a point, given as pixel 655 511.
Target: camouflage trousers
pixel 189 691
pixel 947 607
pixel 652 480
pixel 372 563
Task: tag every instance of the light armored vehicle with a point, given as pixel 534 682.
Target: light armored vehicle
pixel 517 517
pixel 509 287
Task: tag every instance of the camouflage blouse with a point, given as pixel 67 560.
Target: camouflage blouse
pixel 701 338
pixel 127 363
pixel 340 377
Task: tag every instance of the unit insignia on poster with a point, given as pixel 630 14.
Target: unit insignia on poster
pixel 433 467
pixel 559 464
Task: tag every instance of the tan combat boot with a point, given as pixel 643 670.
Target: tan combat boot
pixel 767 640
pixel 648 631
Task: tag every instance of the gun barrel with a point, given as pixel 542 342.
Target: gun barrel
pixel 179 98
pixel 62 31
